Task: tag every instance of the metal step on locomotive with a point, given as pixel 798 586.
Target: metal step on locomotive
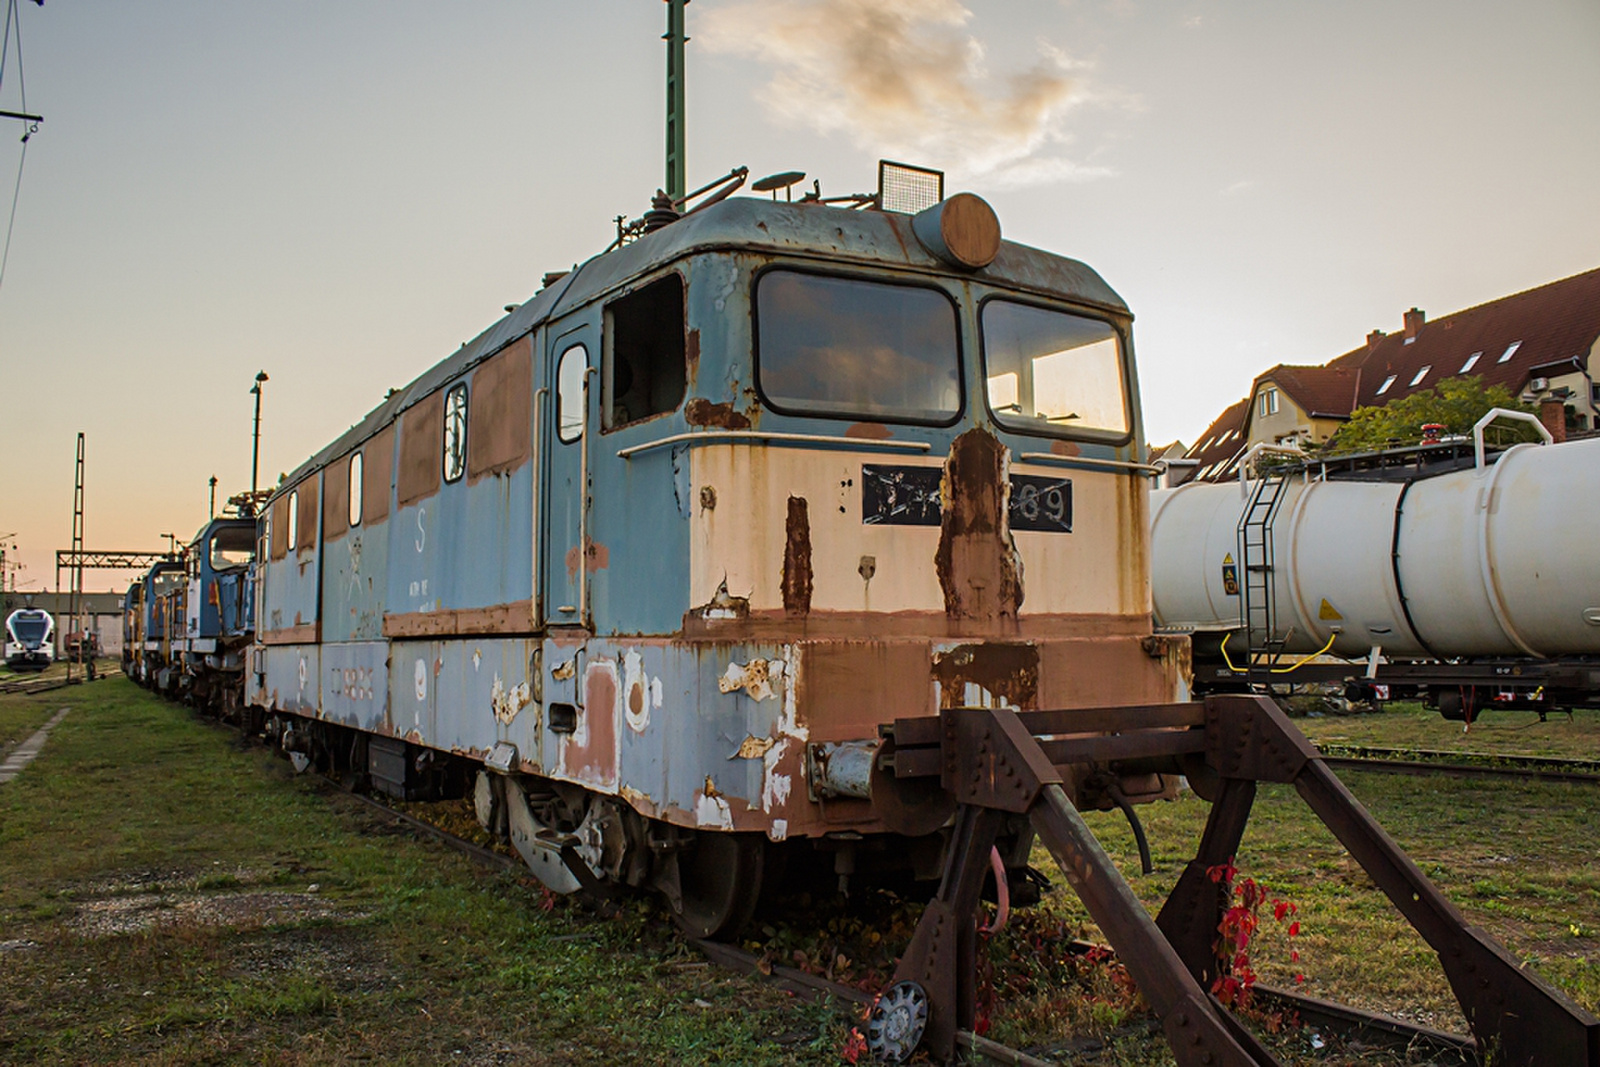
pixel 800 532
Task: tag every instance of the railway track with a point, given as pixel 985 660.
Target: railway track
pixel 1483 765
pixel 32 686
pixel 1440 1048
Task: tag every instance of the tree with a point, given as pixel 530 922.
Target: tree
pixel 1455 403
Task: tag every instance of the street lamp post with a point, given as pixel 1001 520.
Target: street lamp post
pixel 255 446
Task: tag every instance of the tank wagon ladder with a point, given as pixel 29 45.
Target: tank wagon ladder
pixel 998 762
pixel 1258 615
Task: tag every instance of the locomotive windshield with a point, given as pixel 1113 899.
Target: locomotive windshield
pixel 1052 372
pixel 848 347
pixel 232 546
pixel 29 626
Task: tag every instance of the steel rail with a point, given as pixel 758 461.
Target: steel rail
pixel 1479 764
pixel 1423 769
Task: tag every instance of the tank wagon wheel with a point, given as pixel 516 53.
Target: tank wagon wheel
pixel 719 882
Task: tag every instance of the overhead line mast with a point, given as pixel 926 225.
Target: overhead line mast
pixel 675 38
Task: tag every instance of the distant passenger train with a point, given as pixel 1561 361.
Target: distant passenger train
pixel 30 639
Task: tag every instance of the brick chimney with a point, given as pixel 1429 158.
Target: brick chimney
pixel 1374 338
pixel 1414 320
pixel 1553 413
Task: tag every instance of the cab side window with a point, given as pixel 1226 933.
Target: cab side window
pixel 570 375
pixel 645 369
pixel 455 432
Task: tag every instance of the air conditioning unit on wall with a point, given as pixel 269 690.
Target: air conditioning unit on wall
pixel 1538 385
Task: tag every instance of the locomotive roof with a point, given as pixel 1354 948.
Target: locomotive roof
pixel 836 236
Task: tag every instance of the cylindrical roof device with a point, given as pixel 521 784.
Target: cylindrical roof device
pixel 961 230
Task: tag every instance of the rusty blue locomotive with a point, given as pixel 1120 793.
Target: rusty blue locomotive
pixel 648 562
pixel 188 621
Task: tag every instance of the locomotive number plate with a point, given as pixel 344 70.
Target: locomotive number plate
pixel 1043 504
pixel 909 496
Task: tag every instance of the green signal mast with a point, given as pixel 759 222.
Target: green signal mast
pixel 675 39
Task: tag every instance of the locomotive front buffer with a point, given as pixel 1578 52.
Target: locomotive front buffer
pixel 997 762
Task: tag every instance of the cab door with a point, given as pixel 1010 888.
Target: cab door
pixel 566 428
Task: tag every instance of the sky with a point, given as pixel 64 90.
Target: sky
pixel 341 194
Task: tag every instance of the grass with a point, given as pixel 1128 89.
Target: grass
pixel 188 900
pixel 184 900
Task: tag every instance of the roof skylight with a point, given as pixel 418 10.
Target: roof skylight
pixel 1511 350
pixel 1384 388
pixel 1421 374
pixel 1471 360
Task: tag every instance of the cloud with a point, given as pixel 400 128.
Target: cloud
pixel 906 79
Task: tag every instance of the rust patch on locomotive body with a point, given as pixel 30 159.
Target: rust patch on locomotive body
pixel 691 354
pixel 589 754
pixel 979 571
pixel 1065 448
pixel 597 558
pixel 702 412
pixel 797 559
pixel 868 431
pixel 1008 674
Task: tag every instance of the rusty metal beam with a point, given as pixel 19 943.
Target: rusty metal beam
pixel 1507 1008
pixel 942 957
pixel 991 761
pixel 1195 1028
pixel 1194 909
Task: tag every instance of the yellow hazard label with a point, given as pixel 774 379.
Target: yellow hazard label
pixel 1227 561
pixel 1328 612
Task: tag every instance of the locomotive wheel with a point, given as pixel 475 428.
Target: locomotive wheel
pixel 719 880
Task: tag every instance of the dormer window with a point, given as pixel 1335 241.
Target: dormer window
pixel 1421 374
pixel 1384 388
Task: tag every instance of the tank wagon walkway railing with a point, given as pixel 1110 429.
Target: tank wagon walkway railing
pixel 997 761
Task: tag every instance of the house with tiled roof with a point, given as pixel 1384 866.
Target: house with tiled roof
pixel 1219 448
pixel 1540 344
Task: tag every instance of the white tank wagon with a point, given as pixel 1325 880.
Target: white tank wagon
pixel 1496 564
